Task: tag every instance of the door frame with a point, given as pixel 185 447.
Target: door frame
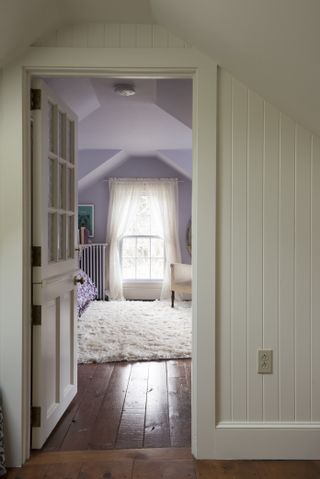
pixel 140 63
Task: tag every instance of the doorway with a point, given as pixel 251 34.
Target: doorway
pixel 138 63
pixel 167 384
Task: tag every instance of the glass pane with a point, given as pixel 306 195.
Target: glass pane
pixel 70 187
pixel 143 247
pixel 71 236
pixel 143 268
pixel 62 237
pixel 62 135
pixel 71 141
pixel 128 268
pixel 52 184
pixel 128 247
pixel 51 237
pixel 157 266
pixel 62 186
pixel 157 248
pixel 52 128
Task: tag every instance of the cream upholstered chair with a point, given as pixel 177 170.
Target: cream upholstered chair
pixel 181 279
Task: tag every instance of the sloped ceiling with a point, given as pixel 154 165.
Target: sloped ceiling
pixel 154 123
pixel 270 45
pixel 23 22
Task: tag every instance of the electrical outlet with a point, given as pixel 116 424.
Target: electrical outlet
pixel 265 361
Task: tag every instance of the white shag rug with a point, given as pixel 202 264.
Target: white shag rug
pixel 134 331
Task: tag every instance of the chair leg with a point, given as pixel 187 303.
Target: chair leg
pixel 172 299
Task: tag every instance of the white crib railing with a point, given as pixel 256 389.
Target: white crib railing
pixel 92 261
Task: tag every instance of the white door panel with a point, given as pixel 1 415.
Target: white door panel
pixel 55 261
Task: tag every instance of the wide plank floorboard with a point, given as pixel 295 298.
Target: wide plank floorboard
pixel 173 463
pixel 127 406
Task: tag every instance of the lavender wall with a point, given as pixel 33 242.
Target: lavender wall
pixel 152 167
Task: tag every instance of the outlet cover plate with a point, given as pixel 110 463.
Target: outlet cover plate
pixel 265 361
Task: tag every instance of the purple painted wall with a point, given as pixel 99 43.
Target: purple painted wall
pixel 98 194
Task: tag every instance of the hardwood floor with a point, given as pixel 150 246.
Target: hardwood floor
pixel 127 406
pixel 174 463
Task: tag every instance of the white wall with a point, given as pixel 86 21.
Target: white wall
pixel 268 260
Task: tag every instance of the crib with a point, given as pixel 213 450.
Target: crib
pixel 93 261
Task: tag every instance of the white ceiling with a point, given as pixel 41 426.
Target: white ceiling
pixel 271 45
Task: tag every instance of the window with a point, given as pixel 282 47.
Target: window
pixel 142 245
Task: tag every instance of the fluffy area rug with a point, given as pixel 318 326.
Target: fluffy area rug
pixel 134 331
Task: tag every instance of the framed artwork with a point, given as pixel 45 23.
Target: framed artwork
pixel 86 218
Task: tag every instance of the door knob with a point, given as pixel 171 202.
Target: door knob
pixel 78 279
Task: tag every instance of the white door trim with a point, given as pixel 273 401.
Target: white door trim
pixel 145 62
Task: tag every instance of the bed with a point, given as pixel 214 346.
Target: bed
pixel 86 293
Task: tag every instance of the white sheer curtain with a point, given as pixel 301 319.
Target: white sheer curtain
pixel 123 204
pixel 164 202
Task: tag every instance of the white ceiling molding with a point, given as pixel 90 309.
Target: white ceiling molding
pixel 272 46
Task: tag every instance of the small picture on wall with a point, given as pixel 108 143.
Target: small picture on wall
pixel 86 218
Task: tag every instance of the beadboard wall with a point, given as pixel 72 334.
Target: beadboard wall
pixel 111 35
pixel 268 261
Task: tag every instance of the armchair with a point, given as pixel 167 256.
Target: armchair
pixel 181 279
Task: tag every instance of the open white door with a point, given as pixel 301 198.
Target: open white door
pixel 55 260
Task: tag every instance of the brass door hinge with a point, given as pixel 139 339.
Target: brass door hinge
pixel 36 416
pixel 35 99
pixel 36 255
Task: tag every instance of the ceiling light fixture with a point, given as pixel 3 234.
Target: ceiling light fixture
pixel 124 89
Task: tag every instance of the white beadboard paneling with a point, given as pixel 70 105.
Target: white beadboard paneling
pixel 65 37
pixel 239 250
pixel 175 42
pixel 112 35
pixel 270 258
pixel 286 270
pixel 224 169
pixel 128 36
pixel 49 40
pixel 80 36
pixel 303 275
pixel 144 36
pixel 315 278
pixel 160 37
pixel 95 35
pixel 254 252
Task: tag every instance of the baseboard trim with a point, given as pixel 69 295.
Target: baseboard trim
pixel 268 425
pixel 247 441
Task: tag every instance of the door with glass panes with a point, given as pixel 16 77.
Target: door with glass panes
pixel 55 260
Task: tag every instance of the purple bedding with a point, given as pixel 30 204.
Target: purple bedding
pixel 87 292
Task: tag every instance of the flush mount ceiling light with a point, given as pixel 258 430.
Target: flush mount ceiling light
pixel 124 89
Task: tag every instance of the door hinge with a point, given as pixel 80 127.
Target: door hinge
pixel 36 255
pixel 35 99
pixel 36 416
pixel 36 315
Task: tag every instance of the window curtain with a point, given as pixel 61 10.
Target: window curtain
pixel 164 202
pixel 123 204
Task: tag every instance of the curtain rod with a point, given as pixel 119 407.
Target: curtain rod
pixel 142 179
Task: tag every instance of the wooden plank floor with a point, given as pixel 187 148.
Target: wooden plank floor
pixel 174 463
pixel 127 406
